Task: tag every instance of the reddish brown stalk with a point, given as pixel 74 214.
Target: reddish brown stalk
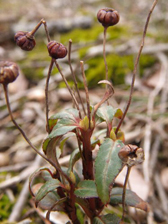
pixel 86 91
pixel 42 21
pixel 104 52
pixel 68 87
pixel 20 129
pixel 88 162
pixel 136 65
pixel 46 94
pixel 124 191
pixel 74 77
pixel 27 139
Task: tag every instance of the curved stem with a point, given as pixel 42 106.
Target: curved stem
pixel 46 94
pixel 21 130
pixel 42 21
pixel 136 65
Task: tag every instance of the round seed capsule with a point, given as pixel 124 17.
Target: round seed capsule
pixel 9 71
pixel 108 17
pixel 56 50
pixel 25 40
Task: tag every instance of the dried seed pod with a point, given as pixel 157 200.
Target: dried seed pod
pixel 131 155
pixel 8 72
pixel 56 50
pixel 25 40
pixel 108 17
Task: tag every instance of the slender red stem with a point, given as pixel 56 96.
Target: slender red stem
pixel 136 65
pixel 74 77
pixel 124 191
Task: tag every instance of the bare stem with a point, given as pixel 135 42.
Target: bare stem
pixel 68 87
pixel 20 129
pixel 124 191
pixel 86 91
pixel 104 52
pixel 46 29
pixel 74 77
pixel 136 65
pixel 58 202
pixel 46 94
pixel 42 21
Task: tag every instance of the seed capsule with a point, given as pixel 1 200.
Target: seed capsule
pixel 8 72
pixel 131 155
pixel 56 50
pixel 108 17
pixel 25 40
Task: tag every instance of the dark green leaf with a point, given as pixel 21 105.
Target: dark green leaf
pixel 60 130
pixel 86 189
pixel 131 199
pixel 98 220
pixel 71 114
pixel 111 219
pixel 49 186
pixel 107 167
pixel 49 200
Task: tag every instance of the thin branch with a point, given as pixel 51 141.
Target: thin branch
pixel 104 52
pixel 74 77
pixel 46 94
pixel 46 29
pixel 42 21
pixel 124 191
pixel 86 91
pixel 20 129
pixel 136 65
pixel 68 87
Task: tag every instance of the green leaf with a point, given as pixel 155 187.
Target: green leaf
pixel 35 174
pixel 107 219
pixel 64 139
pixel 107 167
pixel 75 156
pixel 60 130
pixel 71 114
pixel 108 113
pixel 54 136
pixel 131 199
pixel 49 200
pixel 86 189
pixel 49 186
pixel 97 220
pixel 111 219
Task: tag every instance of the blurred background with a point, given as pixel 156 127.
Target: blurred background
pixel 146 124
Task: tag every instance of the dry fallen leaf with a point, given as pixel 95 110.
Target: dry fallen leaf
pixel 164 178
